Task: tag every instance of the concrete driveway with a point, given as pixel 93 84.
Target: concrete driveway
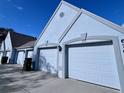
pixel 13 80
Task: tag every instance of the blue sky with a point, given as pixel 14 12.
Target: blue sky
pixel 30 16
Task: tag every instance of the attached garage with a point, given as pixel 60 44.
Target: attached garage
pixel 93 62
pixel 22 54
pixel 91 48
pixel 48 59
pixel 24 51
pixel 20 57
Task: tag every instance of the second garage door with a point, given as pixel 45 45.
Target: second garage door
pixel 94 63
pixel 48 60
pixel 21 57
pixel 29 54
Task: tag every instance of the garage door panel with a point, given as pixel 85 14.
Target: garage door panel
pixel 48 60
pixel 21 57
pixel 30 53
pixel 96 64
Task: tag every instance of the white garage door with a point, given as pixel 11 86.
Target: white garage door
pixel 48 60
pixel 21 57
pixel 30 53
pixel 94 63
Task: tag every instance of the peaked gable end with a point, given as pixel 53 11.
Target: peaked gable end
pixel 64 15
pixel 86 24
pixel 7 43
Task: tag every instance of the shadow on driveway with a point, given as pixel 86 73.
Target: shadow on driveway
pixel 14 80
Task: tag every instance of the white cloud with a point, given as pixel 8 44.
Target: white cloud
pixel 19 7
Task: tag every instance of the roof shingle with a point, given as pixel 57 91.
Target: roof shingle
pixel 30 44
pixel 19 39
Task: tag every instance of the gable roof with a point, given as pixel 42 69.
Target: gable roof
pixel 97 18
pixel 19 39
pixel 29 44
pixel 62 2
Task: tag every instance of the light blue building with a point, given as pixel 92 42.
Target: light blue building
pixel 81 45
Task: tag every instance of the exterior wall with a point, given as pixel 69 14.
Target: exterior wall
pixel 8 45
pixel 121 46
pixel 56 26
pixel 2 46
pixel 92 27
pixel 20 57
pixel 1 52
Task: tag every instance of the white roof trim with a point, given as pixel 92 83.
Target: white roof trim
pixel 48 45
pixel 25 49
pixel 62 2
pixel 104 21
